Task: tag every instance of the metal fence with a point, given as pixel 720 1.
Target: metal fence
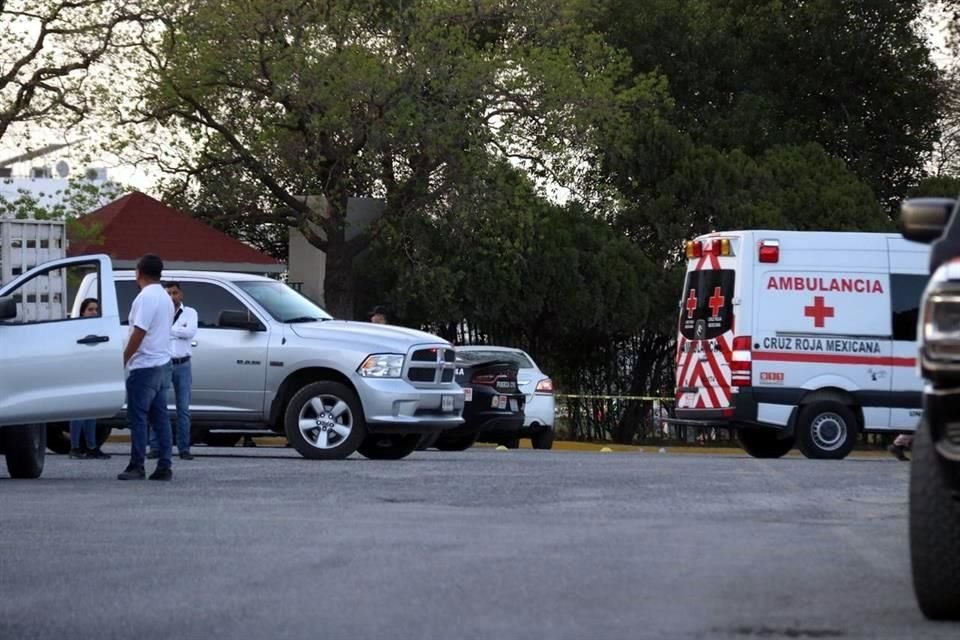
pixel 641 420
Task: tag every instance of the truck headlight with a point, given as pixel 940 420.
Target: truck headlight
pixel 382 365
pixel 941 325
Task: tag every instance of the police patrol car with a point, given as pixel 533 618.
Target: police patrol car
pixel 803 338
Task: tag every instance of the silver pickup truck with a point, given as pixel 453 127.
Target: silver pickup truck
pixel 265 357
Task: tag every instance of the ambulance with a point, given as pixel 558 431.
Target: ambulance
pixel 796 338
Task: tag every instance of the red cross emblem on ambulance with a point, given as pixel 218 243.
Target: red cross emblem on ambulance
pixel 716 302
pixel 691 303
pixel 819 311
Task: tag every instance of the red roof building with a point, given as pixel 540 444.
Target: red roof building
pixel 136 224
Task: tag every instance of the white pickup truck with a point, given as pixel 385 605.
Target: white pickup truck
pixel 53 367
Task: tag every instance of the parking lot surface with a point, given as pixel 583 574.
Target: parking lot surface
pixel 259 543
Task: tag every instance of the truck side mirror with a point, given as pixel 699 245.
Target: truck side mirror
pixel 239 320
pixel 8 308
pixel 925 219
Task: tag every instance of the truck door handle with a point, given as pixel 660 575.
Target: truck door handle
pixel 92 340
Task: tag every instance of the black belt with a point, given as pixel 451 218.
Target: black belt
pixel 180 360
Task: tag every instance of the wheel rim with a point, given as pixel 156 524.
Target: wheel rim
pixel 325 421
pixel 829 431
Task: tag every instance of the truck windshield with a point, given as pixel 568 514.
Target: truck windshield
pixel 282 302
pixel 706 306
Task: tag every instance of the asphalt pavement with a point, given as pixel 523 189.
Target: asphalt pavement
pixel 259 543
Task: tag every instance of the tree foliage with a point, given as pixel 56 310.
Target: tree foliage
pixel 47 52
pixel 854 76
pixel 340 98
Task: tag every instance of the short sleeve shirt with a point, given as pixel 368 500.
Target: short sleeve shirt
pixel 152 311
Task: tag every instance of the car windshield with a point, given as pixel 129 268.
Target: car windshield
pixel 282 302
pixel 519 360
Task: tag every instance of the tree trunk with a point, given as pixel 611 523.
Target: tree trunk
pixel 338 284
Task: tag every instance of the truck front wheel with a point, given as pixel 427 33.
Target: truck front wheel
pixel 764 443
pixel 25 447
pixel 934 529
pixel 826 430
pixel 324 421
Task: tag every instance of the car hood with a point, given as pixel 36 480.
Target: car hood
pixel 378 337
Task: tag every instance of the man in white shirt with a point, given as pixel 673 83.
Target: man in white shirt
pixel 181 351
pixel 147 360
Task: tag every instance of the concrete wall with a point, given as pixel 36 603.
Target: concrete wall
pixel 307 265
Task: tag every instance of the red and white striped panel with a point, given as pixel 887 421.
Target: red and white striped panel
pixel 696 367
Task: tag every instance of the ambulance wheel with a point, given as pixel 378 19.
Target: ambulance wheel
pixel 764 443
pixel 934 529
pixel 826 430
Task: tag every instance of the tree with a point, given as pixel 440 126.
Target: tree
pixel 520 271
pixel 47 52
pixel 338 98
pixel 854 76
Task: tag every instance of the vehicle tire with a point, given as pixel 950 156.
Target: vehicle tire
pixel 214 439
pixel 388 447
pixel 456 443
pixel 826 430
pixel 324 421
pixel 103 432
pixel 511 441
pixel 428 440
pixel 764 443
pixel 542 439
pixel 934 529
pixel 58 437
pixel 25 448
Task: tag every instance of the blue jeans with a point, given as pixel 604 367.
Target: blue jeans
pixel 147 405
pixel 182 382
pixel 87 428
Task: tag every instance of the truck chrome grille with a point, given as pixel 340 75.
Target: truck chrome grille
pixel 952 433
pixel 431 365
pixel 421 374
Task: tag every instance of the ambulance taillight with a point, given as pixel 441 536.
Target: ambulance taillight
pixel 718 247
pixel 741 362
pixel 769 251
pixel 694 249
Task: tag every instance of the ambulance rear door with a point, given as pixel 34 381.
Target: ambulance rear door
pixel 706 325
pixel 909 264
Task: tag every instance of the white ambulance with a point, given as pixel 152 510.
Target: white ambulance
pixel 800 338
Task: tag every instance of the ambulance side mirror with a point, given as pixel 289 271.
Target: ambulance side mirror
pixel 924 219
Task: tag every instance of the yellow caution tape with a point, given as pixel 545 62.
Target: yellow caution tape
pixel 577 396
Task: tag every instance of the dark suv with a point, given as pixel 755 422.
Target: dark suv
pixel 935 470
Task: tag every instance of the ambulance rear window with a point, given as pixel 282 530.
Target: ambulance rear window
pixel 706 308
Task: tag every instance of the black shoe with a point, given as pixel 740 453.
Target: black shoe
pixel 186 455
pixel 78 454
pixel 96 454
pixel 899 452
pixel 153 455
pixel 133 473
pixel 164 474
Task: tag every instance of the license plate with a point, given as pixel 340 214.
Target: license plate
pixel 446 403
pixel 468 394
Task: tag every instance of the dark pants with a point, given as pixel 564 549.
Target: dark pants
pixel 147 404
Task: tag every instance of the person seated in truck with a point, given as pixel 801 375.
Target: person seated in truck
pixel 86 428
